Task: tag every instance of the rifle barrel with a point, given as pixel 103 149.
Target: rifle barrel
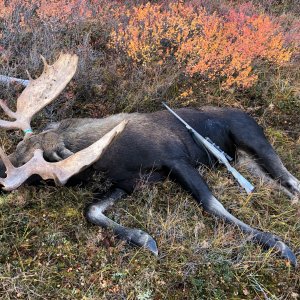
pixel 216 151
pixel 174 113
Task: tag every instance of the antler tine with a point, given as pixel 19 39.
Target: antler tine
pixel 6 109
pixel 29 76
pixel 15 176
pixel 41 91
pixel 44 62
pixel 6 161
pixel 60 171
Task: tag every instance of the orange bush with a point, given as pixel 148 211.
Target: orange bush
pixel 216 47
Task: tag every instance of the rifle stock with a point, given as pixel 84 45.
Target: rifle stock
pixel 220 155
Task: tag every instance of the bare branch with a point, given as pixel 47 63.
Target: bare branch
pixel 9 80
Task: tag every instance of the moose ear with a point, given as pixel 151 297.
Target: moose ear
pixel 40 92
pixel 60 171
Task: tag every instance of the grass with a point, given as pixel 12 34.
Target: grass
pixel 48 251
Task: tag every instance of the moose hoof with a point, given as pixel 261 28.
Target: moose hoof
pixel 140 238
pixel 268 241
pixel 151 246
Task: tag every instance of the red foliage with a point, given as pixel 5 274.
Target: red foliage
pixel 217 47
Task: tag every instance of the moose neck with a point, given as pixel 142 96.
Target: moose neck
pixel 80 133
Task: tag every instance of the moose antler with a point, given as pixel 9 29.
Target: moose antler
pixel 40 92
pixel 60 171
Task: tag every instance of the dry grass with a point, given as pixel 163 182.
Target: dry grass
pixel 48 251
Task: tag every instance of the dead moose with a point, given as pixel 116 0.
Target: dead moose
pixel 153 144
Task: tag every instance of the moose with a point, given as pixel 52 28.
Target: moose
pixel 127 146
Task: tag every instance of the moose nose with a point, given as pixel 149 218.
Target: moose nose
pixel 2 191
pixel 2 170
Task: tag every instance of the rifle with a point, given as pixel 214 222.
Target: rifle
pixel 216 151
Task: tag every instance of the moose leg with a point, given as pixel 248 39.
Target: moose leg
pixel 94 214
pixel 191 180
pixel 247 160
pixel 267 158
pixel 251 138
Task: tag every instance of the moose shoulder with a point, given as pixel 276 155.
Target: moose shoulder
pixel 158 145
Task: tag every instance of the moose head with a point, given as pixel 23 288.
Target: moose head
pixel 38 93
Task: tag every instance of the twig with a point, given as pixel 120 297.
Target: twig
pixel 8 80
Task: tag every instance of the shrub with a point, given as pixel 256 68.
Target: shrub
pixel 134 53
pixel 224 48
pixel 52 9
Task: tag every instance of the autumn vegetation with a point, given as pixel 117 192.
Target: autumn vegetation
pixel 224 48
pixel 133 55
